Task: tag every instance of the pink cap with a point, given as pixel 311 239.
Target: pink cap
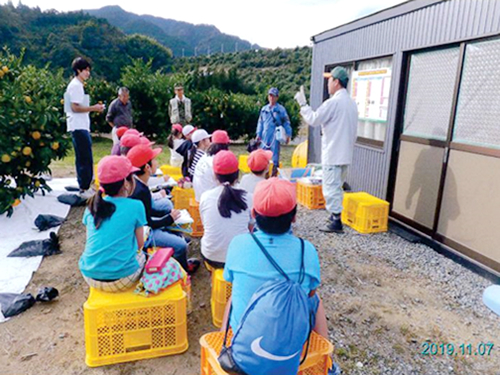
pixel 258 160
pixel 133 131
pixel 225 162
pixel 146 141
pixel 177 127
pixel 130 140
pixel 141 154
pixel 114 168
pixel 274 197
pixel 220 136
pixel 121 131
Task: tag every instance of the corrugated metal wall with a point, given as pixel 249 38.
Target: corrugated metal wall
pixel 425 24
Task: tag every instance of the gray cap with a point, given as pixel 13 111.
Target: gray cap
pixel 338 73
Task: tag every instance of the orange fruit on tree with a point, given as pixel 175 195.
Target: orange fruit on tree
pixel 55 145
pixel 5 69
pixel 5 158
pixel 27 151
pixel 36 135
pixel 1 73
pixel 28 99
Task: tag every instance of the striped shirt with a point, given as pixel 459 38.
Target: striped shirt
pixel 197 157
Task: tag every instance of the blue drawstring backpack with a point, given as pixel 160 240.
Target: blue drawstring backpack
pixel 275 325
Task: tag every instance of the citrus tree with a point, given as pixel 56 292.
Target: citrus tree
pixel 32 128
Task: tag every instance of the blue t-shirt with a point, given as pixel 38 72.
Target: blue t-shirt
pixel 248 268
pixel 110 251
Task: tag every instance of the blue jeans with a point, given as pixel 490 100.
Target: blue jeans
pixel 82 143
pixel 162 206
pixel 162 238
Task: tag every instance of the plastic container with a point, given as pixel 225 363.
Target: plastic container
pixel 310 196
pixel 293 174
pixel 181 197
pixel 365 213
pixel 174 172
pixel 299 156
pixel 221 292
pixel 123 327
pixel 491 298
pixel 194 211
pixel 318 360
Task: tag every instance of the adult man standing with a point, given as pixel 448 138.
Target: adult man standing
pixel 272 116
pixel 179 108
pixel 77 110
pixel 338 118
pixel 119 114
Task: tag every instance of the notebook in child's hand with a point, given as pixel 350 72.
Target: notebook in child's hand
pixel 159 259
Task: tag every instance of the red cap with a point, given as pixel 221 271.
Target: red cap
pixel 220 136
pixel 274 197
pixel 225 162
pixel 146 141
pixel 130 140
pixel 177 127
pixel 133 131
pixel 114 168
pixel 121 131
pixel 141 154
pixel 258 160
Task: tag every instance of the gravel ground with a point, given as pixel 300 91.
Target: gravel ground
pixel 386 299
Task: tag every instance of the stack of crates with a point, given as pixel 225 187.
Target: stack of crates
pixel 174 172
pixel 365 213
pixel 221 292
pixel 181 197
pixel 310 196
pixel 194 211
pixel 123 327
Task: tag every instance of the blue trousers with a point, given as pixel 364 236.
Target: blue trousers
pixel 84 162
pixel 162 238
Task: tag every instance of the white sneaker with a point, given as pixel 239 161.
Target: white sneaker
pixel 86 194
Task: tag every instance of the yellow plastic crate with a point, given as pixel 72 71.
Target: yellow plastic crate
pixel 181 197
pixel 194 211
pixel 174 172
pixel 310 196
pixel 123 327
pixel 96 178
pixel 365 213
pixel 318 360
pixel 221 292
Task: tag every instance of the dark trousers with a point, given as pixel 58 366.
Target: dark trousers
pixel 84 163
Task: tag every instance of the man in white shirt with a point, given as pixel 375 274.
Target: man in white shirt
pixel 77 108
pixel 179 108
pixel 338 118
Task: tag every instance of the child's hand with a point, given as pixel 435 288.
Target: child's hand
pixel 175 214
pixel 163 193
pixel 166 177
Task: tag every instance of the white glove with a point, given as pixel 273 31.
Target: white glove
pixel 300 97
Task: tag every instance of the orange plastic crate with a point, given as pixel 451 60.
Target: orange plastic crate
pixel 310 195
pixel 318 360
pixel 221 292
pixel 365 213
pixel 181 197
pixel 194 211
pixel 123 327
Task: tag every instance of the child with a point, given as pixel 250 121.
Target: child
pixel 128 141
pixel 175 139
pixel 201 143
pixel 224 210
pixel 258 162
pixel 144 158
pixel 111 261
pixel 115 150
pixel 185 148
pixel 204 177
pixel 274 209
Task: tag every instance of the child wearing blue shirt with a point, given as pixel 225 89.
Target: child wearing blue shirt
pixel 111 261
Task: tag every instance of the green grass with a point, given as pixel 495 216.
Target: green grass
pixel 102 147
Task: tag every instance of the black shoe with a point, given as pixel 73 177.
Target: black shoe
pixel 334 225
pixel 193 265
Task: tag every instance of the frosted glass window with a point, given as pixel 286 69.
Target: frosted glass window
pixel 478 112
pixel 430 93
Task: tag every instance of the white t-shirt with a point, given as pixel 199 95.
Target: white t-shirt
pixel 218 230
pixel 76 94
pixel 249 181
pixel 204 176
pixel 176 159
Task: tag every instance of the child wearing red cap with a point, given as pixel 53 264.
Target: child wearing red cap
pixel 258 162
pixel 111 261
pixel 115 150
pixel 274 209
pixel 144 158
pixel 204 177
pixel 175 139
pixel 224 210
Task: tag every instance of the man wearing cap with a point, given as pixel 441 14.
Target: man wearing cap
pixel 179 108
pixel 119 115
pixel 258 162
pixel 272 116
pixel 338 118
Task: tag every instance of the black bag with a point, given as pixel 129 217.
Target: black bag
pixel 44 222
pixel 253 145
pixel 72 199
pixel 14 304
pixel 47 247
pixel 225 359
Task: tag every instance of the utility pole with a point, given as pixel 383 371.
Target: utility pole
pixel 183 52
pixel 236 47
pixel 208 50
pixel 195 51
pixel 222 48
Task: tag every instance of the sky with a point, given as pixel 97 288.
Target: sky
pixel 270 24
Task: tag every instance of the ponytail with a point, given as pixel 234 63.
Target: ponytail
pixel 101 209
pixel 173 135
pixel 231 199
